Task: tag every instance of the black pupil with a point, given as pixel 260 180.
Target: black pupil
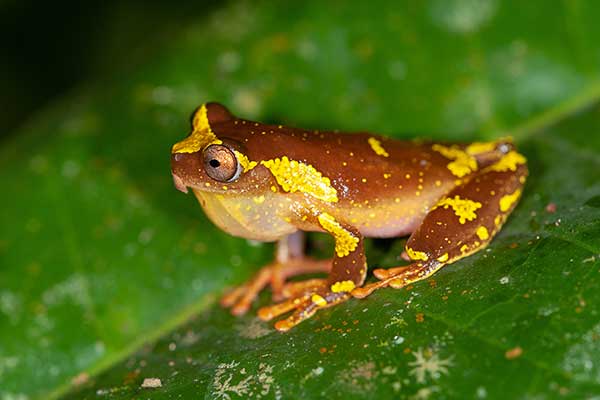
pixel 214 163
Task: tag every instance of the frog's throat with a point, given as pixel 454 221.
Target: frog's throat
pixel 202 135
pixel 241 216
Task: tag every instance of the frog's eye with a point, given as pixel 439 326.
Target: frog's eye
pixel 221 164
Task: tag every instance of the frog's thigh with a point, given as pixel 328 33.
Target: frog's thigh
pixel 468 217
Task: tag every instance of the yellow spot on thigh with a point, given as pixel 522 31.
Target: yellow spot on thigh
pixel 464 248
pixel 377 147
pixel 509 161
pixel 443 258
pixel 463 208
pixel 462 164
pixel 506 202
pixel 345 241
pixel 318 300
pixel 259 199
pixel 498 220
pixel 416 255
pixel 483 233
pixel 294 176
pixel 343 286
pixel 201 136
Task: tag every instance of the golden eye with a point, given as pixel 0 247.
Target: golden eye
pixel 220 163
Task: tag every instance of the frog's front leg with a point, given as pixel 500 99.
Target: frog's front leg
pixel 348 271
pixel 462 223
pixel 289 261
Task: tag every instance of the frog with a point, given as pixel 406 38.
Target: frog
pixel 273 183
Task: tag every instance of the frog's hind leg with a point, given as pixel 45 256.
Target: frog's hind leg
pixel 289 261
pixel 460 224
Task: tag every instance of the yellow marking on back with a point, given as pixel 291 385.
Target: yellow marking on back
pixel 506 202
pixel 294 176
pixel 463 208
pixel 377 147
pixel 483 233
pixel 462 164
pixel 244 161
pixel 416 255
pixel 343 286
pixel 509 161
pixel 318 300
pixel 345 241
pixel 201 136
pixel 480 147
pixel 464 248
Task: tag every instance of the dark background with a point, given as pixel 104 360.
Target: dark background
pixel 53 47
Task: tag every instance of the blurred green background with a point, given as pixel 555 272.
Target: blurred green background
pixel 109 276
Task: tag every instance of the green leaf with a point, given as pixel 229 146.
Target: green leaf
pixel 99 254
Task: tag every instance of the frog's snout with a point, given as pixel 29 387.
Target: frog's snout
pixel 179 185
pixel 179 163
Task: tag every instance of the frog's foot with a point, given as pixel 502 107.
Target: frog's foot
pixel 398 277
pixel 305 305
pixel 240 299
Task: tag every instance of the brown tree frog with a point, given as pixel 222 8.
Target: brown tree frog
pixel 272 182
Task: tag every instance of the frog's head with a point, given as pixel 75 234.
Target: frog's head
pixel 212 158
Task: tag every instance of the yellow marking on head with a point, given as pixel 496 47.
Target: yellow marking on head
pixel 377 147
pixel 416 255
pixel 464 248
pixel 244 161
pixel 201 136
pixel 463 208
pixel 343 286
pixel 506 202
pixel 483 233
pixel 345 241
pixel 509 161
pixel 318 300
pixel 443 258
pixel 480 147
pixel 462 164
pixel 294 176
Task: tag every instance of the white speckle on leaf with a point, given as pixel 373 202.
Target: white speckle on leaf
pixel 462 16
pixel 162 95
pixel 504 280
pixel 229 61
pixel 70 169
pixel 75 288
pixel 481 392
pixel 360 377
pixel 246 385
pixel 428 363
pixel 247 101
pixel 579 361
pixel 397 70
pixel 151 383
pixel 146 235
pixel 254 329
pixel 13 396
